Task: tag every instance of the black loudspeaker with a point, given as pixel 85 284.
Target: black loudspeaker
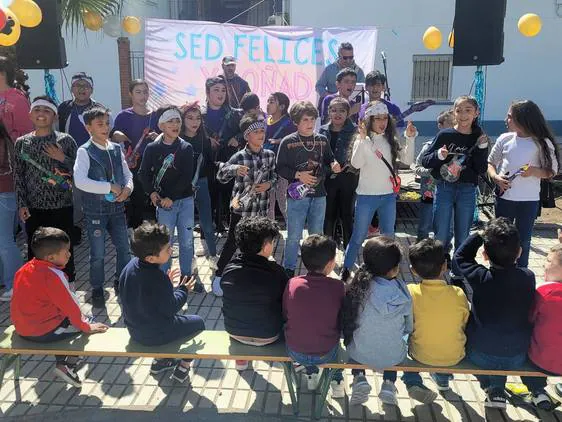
pixel 43 47
pixel 479 32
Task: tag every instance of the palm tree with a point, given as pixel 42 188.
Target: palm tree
pixel 72 10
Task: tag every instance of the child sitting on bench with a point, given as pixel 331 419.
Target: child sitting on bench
pixel 150 301
pixel 44 309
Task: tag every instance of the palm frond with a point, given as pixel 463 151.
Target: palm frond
pixel 72 11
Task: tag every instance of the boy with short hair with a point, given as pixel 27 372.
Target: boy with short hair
pixel 253 171
pixel 302 159
pixel 44 308
pixel 253 286
pixel 105 181
pixel 440 312
pixel 346 80
pixel 312 305
pixel 43 175
pixel 498 331
pixel 150 300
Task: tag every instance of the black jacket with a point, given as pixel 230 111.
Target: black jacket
pixel 253 290
pixel 501 301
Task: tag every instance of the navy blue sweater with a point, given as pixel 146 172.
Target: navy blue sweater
pixel 501 301
pixel 476 163
pixel 149 302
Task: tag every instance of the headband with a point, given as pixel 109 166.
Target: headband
pixel 254 127
pixel 376 110
pixel 44 103
pixel 168 115
pixel 86 78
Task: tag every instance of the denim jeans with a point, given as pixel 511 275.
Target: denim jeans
pixel 203 204
pixel 453 200
pixel 310 362
pixel 365 208
pixel 97 226
pixel 180 216
pixel 10 255
pixel 309 211
pixel 425 224
pixel 486 361
pixel 523 213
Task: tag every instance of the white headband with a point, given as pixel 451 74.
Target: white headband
pixel 259 125
pixel 168 115
pixel 376 110
pixel 44 103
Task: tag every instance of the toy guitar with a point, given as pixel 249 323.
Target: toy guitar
pixel 56 178
pixel 298 190
pixel 509 178
pixel 242 200
pixel 414 108
pixel 132 155
pixel 166 163
pixel 451 171
pixel 394 178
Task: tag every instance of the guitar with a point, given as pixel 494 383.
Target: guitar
pixel 414 108
pixel 242 200
pixel 451 171
pixel 54 178
pixel 394 178
pixel 132 155
pixel 298 190
pixel 509 178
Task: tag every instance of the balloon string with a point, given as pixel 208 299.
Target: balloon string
pixel 50 83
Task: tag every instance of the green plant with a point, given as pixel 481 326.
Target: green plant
pixel 72 11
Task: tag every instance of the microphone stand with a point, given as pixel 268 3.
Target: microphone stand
pixel 387 90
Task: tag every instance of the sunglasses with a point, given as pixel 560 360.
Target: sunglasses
pixel 347 57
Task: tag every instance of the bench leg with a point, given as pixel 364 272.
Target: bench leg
pixel 292 384
pixel 324 387
pixel 5 362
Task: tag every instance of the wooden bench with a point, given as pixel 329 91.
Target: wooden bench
pixel 210 345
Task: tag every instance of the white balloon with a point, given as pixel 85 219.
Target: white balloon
pixel 112 26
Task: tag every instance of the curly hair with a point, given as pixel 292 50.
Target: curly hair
pixel 380 256
pixel 149 239
pixel 252 233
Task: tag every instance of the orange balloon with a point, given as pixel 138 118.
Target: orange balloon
pixel 132 24
pixel 12 23
pixel 92 20
pixel 28 12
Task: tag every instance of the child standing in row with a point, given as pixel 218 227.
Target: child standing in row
pixel 312 306
pixel 530 146
pixel 456 157
pixel 44 308
pixel 377 319
pixel 302 159
pixel 166 172
pixel 105 181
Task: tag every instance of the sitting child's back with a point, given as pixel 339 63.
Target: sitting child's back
pixel 440 310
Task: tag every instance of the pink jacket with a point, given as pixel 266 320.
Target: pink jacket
pixel 14 112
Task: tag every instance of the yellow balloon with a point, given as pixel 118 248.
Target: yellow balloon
pixel 13 22
pixel 432 38
pixel 451 39
pixel 28 12
pixel 92 20
pixel 529 24
pixel 131 24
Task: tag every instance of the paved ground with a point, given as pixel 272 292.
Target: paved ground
pixel 122 389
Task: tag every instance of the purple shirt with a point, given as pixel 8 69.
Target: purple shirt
pixel 393 110
pixel 133 125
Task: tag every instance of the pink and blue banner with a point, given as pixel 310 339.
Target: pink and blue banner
pixel 180 55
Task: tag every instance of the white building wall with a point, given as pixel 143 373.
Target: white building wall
pixel 531 69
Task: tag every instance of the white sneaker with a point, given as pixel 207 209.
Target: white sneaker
pixel 7 295
pixel 213 262
pixel 388 393
pixel 216 286
pixel 201 250
pixel 313 380
pixel 338 389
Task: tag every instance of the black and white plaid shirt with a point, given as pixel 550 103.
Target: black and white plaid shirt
pixel 261 170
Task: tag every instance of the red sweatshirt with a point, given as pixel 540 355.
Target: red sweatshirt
pixel 546 343
pixel 14 112
pixel 42 300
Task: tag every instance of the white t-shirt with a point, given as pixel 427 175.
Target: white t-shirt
pixel 511 152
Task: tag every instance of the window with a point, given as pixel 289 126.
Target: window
pixel 137 64
pixel 432 77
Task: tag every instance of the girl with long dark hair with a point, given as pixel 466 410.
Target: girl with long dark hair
pixel 518 161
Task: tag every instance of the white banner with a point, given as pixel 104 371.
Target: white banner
pixel 181 55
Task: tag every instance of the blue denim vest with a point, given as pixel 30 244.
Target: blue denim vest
pixel 103 169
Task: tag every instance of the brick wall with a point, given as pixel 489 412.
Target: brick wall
pixel 124 52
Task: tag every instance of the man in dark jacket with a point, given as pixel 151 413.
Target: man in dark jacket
pixel 253 286
pixel 236 86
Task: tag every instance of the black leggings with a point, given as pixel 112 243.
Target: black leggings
pixel 340 196
pixel 230 246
